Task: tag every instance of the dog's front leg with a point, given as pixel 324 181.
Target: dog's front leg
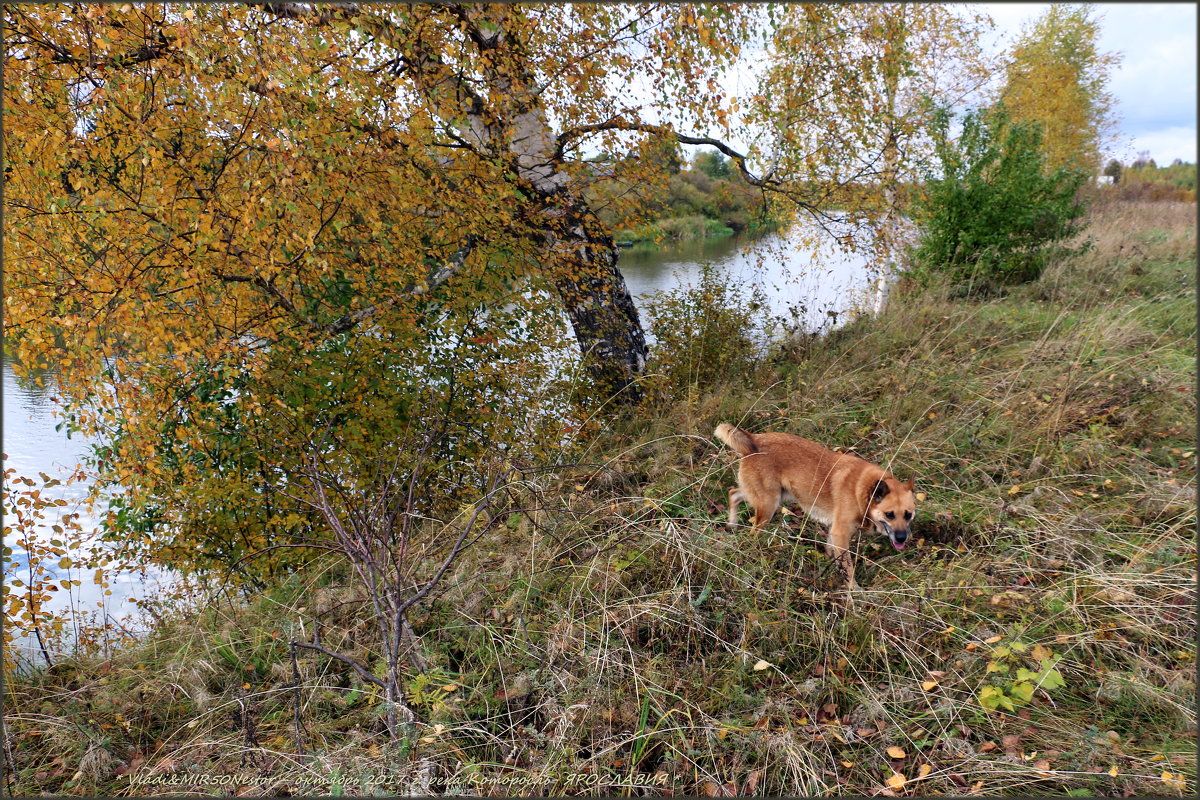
pixel 838 548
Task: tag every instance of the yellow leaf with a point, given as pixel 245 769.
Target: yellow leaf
pixel 1014 490
pixel 992 639
pixel 924 770
pixel 928 685
pixel 896 752
pixel 847 764
pixel 1174 781
pixel 896 780
pixel 1041 653
pixel 761 665
pixel 449 687
pixel 1156 757
pixel 921 496
pixel 1113 770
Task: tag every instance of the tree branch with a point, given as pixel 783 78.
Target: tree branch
pixel 435 278
pixel 362 673
pixel 767 181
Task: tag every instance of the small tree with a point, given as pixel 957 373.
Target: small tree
pixel 995 211
pixel 1113 170
pixel 713 164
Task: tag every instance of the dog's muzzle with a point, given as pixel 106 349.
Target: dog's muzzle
pixel 897 538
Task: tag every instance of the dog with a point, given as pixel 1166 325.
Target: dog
pixel 839 490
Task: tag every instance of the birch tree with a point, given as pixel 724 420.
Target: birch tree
pixel 1056 76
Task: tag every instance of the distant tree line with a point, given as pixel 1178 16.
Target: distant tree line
pixel 1143 179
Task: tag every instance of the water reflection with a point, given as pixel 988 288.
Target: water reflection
pixel 806 289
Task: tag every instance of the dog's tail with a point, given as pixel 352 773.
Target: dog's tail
pixel 736 438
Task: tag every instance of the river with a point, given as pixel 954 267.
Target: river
pixel 798 291
pixel 807 291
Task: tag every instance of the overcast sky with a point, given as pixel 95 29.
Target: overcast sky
pixel 1155 82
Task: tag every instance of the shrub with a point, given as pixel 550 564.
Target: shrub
pixel 707 331
pixel 995 212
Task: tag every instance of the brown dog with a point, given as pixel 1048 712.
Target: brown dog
pixel 839 490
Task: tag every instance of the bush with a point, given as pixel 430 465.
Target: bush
pixel 707 331
pixel 995 213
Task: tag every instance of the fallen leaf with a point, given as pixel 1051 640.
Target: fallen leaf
pixel 1174 781
pixel 987 746
pixel 896 752
pixel 1041 653
pixel 897 780
pixel 761 665
pixel 1113 770
pixel 1011 743
pixel 992 639
pixel 752 781
pixel 847 764
pixel 929 685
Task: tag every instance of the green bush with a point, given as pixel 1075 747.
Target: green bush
pixel 707 331
pixel 995 214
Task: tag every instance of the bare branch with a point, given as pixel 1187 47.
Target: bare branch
pixel 362 673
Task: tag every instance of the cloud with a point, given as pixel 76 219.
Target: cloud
pixel 1164 146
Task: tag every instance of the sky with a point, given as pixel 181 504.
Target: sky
pixel 1155 82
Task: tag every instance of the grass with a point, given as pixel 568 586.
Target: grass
pixel 616 634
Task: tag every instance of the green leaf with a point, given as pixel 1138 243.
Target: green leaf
pixel 1052 679
pixel 1022 691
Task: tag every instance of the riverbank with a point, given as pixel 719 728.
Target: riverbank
pixel 617 634
pixel 672 231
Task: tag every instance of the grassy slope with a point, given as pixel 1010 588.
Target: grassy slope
pixel 617 631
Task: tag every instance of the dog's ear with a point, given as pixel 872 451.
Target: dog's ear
pixel 911 484
pixel 879 490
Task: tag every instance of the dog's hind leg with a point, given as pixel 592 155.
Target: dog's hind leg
pixel 736 498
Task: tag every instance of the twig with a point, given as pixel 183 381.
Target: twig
pixel 362 673
pixel 301 734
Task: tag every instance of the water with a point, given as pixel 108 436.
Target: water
pixel 33 447
pixel 811 293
